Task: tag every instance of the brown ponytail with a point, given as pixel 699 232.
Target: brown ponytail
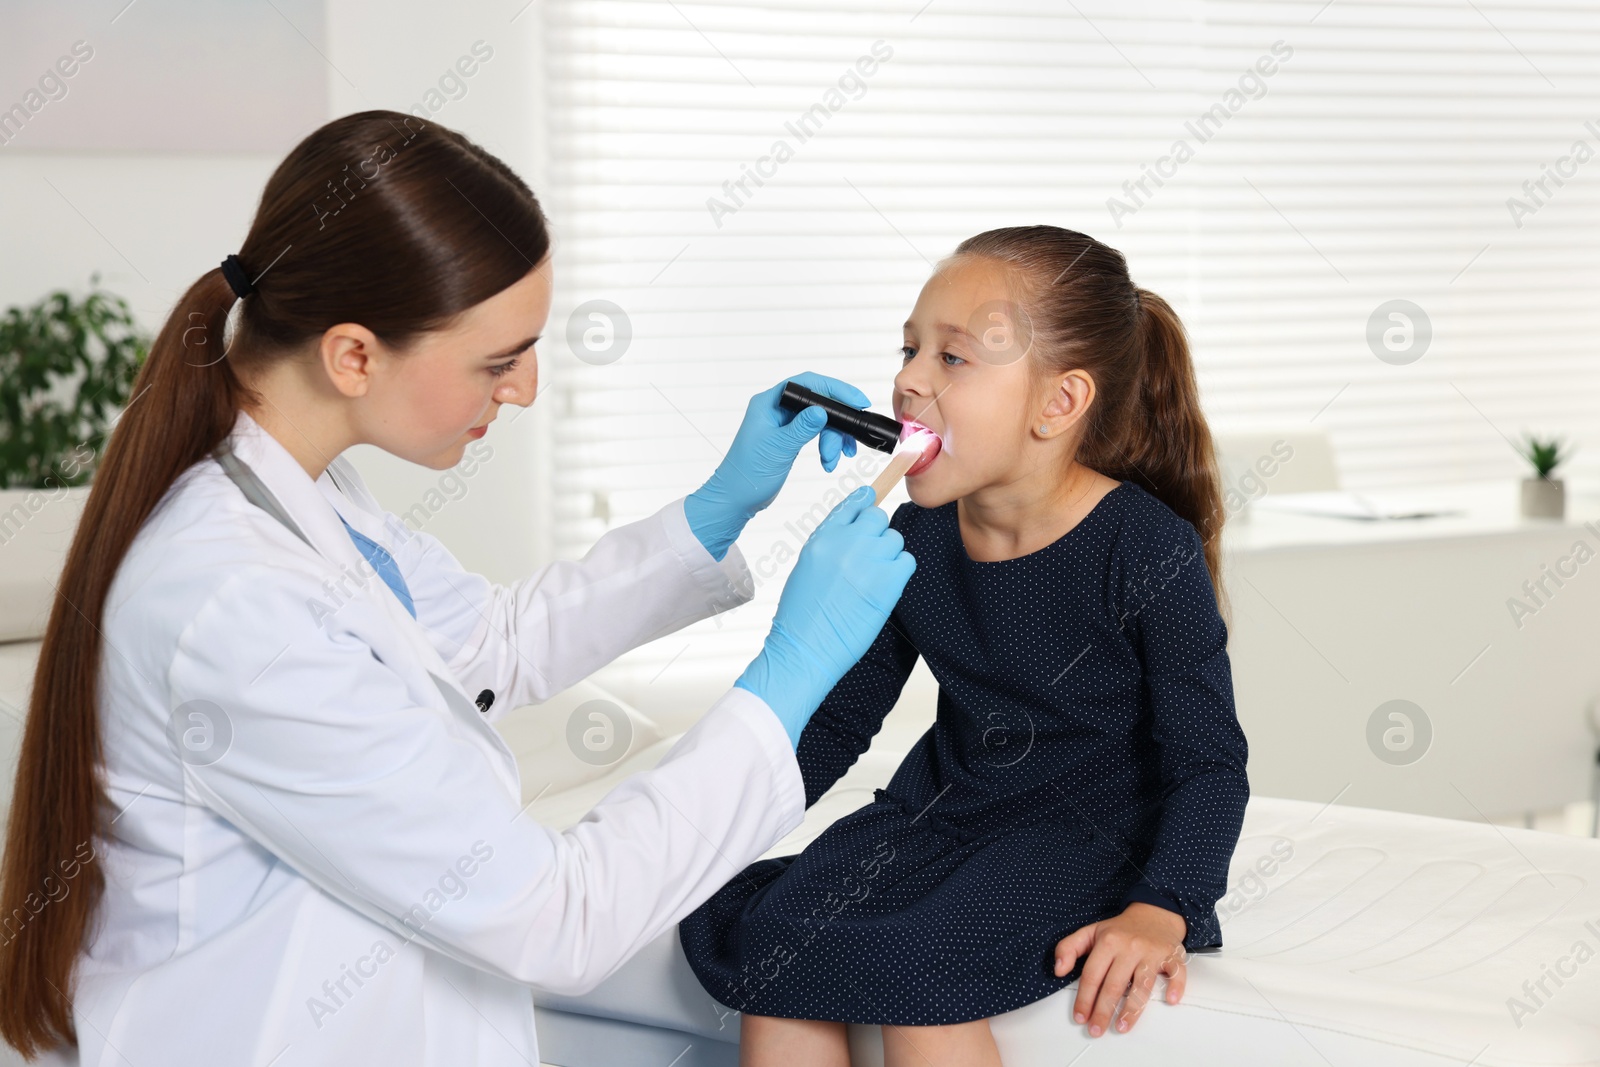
pixel 1175 460
pixel 376 218
pixel 1145 424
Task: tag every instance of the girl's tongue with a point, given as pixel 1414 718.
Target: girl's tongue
pixel 930 449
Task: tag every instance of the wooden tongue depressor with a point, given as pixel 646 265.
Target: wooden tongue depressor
pixel 905 456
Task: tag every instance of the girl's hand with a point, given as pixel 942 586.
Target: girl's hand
pixel 1134 947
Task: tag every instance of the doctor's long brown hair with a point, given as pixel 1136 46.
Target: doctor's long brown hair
pixel 1145 424
pixel 378 218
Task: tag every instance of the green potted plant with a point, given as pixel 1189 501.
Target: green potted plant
pixel 66 367
pixel 1543 497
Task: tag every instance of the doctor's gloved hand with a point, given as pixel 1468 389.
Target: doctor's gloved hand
pixel 848 577
pixel 762 453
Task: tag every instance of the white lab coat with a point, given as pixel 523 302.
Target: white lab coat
pixel 353 881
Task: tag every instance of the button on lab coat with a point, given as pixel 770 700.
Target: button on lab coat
pixel 316 853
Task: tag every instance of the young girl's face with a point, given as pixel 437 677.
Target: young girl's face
pixel 443 391
pixel 965 375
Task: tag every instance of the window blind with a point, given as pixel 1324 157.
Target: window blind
pixel 740 193
pixel 1387 162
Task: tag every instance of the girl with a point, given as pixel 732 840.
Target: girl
pixel 1071 813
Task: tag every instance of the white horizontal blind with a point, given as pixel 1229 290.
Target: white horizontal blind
pixel 1378 166
pixel 982 116
pixel 1372 164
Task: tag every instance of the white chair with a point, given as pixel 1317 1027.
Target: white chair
pixel 1292 459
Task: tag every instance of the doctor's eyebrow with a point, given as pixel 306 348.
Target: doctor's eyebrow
pixel 514 349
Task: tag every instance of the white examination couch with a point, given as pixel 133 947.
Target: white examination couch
pixel 1353 936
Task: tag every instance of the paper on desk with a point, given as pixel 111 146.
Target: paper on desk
pixel 1343 504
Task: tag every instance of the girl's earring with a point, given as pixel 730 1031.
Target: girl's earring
pixel 1044 429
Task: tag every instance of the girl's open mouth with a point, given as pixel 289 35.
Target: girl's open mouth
pixel 929 454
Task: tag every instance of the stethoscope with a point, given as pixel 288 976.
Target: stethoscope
pixel 256 491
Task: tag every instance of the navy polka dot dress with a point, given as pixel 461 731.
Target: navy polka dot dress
pixel 1085 755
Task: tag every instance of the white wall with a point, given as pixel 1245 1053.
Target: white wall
pixel 390 53
pixel 150 223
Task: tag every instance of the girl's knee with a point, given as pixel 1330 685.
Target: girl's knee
pixel 970 1027
pixel 969 1043
pixel 769 1039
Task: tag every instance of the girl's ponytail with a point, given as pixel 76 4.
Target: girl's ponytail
pixel 1169 450
pixel 378 218
pixel 1145 424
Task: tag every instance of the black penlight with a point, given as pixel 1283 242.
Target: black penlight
pixel 868 427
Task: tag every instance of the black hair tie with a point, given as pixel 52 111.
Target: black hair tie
pixel 238 280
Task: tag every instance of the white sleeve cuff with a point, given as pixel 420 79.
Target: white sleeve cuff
pixel 773 739
pixel 728 583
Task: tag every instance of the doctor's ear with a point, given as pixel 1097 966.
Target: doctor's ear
pixel 351 354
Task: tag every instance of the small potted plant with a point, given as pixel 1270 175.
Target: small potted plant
pixel 1543 497
pixel 66 367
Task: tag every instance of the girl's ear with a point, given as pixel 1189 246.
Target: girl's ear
pixel 1069 401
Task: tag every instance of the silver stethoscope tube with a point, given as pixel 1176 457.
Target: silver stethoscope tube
pixel 256 491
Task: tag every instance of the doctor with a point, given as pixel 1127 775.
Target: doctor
pixel 259 818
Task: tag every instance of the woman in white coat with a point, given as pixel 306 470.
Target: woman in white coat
pixel 260 816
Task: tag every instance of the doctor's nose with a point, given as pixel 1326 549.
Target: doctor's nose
pixel 520 385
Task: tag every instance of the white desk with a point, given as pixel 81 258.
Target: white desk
pixel 1334 617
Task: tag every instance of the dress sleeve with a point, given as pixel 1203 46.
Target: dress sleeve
pixel 853 711
pixel 1169 609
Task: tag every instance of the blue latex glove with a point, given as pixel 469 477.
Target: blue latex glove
pixel 847 580
pixel 762 453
